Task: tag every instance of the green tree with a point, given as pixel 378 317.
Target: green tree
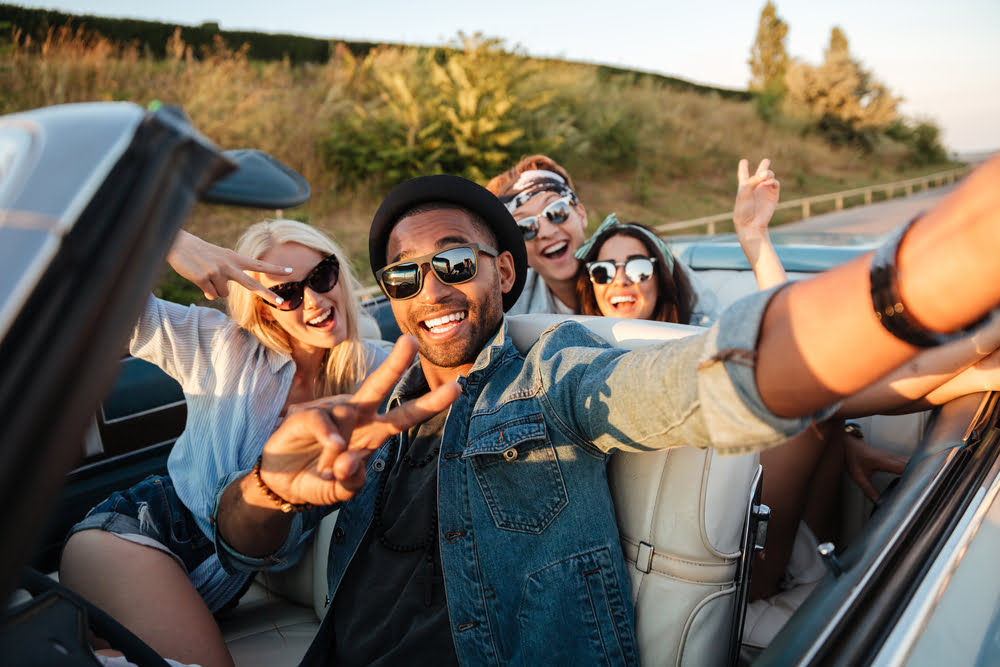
pixel 848 102
pixel 456 110
pixel 838 44
pixel 768 58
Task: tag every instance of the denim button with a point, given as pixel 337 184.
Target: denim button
pixel 379 465
pixel 338 534
pixel 510 454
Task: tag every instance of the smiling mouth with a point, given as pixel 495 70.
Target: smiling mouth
pixel 556 250
pixel 622 300
pixel 445 322
pixel 322 318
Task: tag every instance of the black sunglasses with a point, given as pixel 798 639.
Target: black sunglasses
pixel 557 213
pixel 322 278
pixel 452 266
pixel 637 269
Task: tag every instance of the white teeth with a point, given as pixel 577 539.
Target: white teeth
pixel 615 300
pixel 321 317
pixel 553 249
pixel 440 321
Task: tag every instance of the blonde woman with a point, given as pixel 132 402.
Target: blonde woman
pixel 146 555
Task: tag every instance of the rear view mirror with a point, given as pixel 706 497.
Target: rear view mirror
pixel 260 181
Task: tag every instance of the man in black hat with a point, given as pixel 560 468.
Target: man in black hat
pixel 484 533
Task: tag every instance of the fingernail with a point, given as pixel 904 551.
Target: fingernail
pixel 327 475
pixel 336 439
pixel 288 269
pixel 278 300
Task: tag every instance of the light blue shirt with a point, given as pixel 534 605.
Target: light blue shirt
pixel 234 386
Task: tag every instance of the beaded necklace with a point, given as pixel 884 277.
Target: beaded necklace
pixel 427 544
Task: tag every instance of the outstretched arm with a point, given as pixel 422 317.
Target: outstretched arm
pixel 820 340
pixel 933 377
pixel 318 456
pixel 211 268
pixel 756 200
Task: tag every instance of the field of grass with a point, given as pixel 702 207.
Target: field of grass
pixel 354 126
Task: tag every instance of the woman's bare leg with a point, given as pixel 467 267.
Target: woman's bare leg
pixel 789 471
pixel 145 590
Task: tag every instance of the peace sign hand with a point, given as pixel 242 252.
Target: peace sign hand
pixel 211 268
pixel 318 455
pixel 756 198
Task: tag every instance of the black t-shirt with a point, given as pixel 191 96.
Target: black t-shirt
pixel 390 607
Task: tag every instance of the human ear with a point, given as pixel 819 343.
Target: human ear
pixel 582 212
pixel 505 271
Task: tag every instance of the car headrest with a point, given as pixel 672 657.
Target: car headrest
pixel 524 330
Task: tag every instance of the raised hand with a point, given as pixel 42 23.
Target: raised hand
pixel 318 454
pixel 756 198
pixel 211 268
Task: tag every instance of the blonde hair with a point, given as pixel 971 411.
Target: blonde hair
pixel 345 365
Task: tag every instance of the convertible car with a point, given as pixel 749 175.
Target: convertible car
pixel 90 198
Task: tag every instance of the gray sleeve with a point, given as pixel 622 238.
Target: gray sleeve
pixel 699 391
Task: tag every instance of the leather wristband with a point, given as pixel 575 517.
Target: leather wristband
pixel 888 304
pixel 281 503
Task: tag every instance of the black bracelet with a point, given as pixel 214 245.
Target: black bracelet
pixel 282 504
pixel 888 304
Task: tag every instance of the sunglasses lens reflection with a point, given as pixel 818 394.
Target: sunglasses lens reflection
pixel 452 267
pixel 557 213
pixel 638 269
pixel 322 278
pixel 402 281
pixel 529 227
pixel 602 273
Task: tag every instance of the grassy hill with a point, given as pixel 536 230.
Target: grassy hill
pixel 357 118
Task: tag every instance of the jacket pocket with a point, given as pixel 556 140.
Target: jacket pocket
pixel 518 473
pixel 575 612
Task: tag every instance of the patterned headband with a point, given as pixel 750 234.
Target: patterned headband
pixel 535 182
pixel 612 224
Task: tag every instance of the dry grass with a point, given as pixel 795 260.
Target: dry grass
pixel 648 152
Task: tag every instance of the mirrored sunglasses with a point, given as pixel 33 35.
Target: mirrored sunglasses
pixel 637 269
pixel 452 266
pixel 322 278
pixel 557 213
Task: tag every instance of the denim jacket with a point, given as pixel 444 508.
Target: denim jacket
pixel 533 568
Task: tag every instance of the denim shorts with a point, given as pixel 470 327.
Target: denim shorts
pixel 150 513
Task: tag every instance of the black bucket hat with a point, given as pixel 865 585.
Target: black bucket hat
pixel 454 190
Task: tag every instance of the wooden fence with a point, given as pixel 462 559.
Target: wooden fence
pixel 861 195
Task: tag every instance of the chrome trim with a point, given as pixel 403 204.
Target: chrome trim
pixel 917 614
pixel 820 640
pixel 141 413
pixel 866 578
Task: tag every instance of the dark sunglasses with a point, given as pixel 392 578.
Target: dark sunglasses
pixel 322 278
pixel 637 269
pixel 452 266
pixel 557 213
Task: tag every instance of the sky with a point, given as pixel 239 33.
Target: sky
pixel 943 58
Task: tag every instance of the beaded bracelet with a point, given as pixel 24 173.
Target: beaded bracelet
pixel 282 504
pixel 888 304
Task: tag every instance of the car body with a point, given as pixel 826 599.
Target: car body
pixel 93 194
